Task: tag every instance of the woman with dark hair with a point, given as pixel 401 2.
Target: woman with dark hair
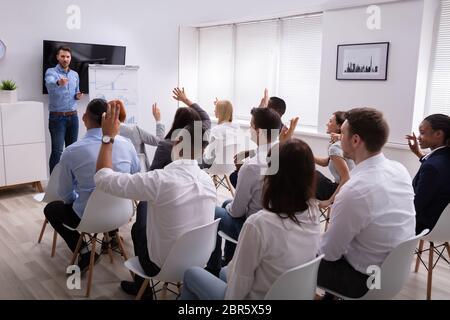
pixel 182 118
pixel 283 235
pixel 431 183
pixel 338 165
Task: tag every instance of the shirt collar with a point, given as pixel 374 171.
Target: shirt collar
pixel 60 69
pixel 374 160
pixel 182 163
pixel 428 155
pixel 94 132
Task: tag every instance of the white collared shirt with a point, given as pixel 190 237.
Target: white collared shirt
pixel 372 214
pixel 267 247
pixel 180 197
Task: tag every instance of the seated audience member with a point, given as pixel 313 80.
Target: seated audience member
pixel 372 213
pixel 180 197
pixel 139 137
pixel 432 182
pixel 283 235
pixel 224 133
pixel 265 125
pixel 76 181
pixel 338 165
pixel 182 118
pixel 274 103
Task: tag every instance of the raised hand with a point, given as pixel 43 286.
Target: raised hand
pixel 215 101
pixel 156 112
pixel 265 99
pixel 180 95
pixel 110 119
pixel 62 82
pixel 287 133
pixel 414 145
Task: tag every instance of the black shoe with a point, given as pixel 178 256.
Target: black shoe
pixel 130 287
pixel 105 244
pixel 83 262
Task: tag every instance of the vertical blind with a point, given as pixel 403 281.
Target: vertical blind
pixel 237 62
pixel 439 94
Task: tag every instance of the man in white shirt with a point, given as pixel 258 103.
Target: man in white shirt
pixel 180 197
pixel 265 127
pixel 373 212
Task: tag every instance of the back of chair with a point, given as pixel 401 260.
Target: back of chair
pixel 298 283
pixel 51 192
pixel 192 249
pixel 395 270
pixel 105 212
pixel 441 231
pixel 224 159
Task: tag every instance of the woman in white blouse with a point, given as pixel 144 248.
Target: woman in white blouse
pixel 224 133
pixel 338 165
pixel 283 235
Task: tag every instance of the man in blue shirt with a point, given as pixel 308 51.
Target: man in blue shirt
pixel 76 181
pixel 63 89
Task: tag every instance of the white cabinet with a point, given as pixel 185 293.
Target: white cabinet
pixel 22 143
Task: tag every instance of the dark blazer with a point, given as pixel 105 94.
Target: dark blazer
pixel 432 189
pixel 163 153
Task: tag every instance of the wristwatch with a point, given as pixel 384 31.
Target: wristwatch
pixel 107 139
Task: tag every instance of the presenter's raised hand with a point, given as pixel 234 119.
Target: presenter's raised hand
pixel 156 112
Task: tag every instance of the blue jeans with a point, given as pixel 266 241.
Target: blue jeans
pixel 232 227
pixel 63 130
pixel 199 284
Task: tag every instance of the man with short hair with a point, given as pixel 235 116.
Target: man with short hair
pixel 76 180
pixel 373 212
pixel 63 89
pixel 180 197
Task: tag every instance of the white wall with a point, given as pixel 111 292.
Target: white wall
pixel 401 24
pixel 149 30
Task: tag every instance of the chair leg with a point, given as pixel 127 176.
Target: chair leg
pixel 142 289
pixel 448 248
pixel 91 266
pixel 179 287
pixel 77 249
pixel 230 186
pixel 106 235
pixel 327 221
pixel 55 236
pixel 419 255
pixel 42 230
pixel 164 291
pixel 122 250
pixel 430 271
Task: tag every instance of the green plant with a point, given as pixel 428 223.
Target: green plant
pixel 8 85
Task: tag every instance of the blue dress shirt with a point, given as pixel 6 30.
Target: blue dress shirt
pixel 78 164
pixel 62 98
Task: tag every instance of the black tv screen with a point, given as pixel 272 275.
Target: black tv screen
pixel 83 54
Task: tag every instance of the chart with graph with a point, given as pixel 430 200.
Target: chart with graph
pixel 111 82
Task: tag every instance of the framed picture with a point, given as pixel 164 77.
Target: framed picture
pixel 362 61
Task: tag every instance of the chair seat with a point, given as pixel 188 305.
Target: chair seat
pixel 134 265
pixel 39 197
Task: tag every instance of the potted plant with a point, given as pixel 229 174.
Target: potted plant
pixel 8 92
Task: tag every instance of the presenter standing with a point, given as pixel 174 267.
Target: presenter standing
pixel 63 89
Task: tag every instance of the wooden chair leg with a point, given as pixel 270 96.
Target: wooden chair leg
pixel 106 235
pixel 230 186
pixel 42 230
pixel 164 291
pixel 38 186
pixel 448 248
pixel 142 289
pixel 179 287
pixel 91 266
pixel 122 250
pixel 430 271
pixel 55 236
pixel 77 249
pixel 419 255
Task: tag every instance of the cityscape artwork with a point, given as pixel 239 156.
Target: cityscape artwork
pixel 365 61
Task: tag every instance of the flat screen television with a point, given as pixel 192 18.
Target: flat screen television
pixel 83 54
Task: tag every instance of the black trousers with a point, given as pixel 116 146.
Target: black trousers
pixel 325 187
pixel 139 237
pixel 340 277
pixel 58 213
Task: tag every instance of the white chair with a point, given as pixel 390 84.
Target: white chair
pixel 298 283
pixel 393 272
pixel 226 237
pixel 440 233
pixel 223 165
pixel 51 194
pixel 192 249
pixel 103 213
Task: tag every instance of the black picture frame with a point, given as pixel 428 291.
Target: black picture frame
pixel 362 61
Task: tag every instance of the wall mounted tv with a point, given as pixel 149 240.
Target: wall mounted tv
pixel 83 54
